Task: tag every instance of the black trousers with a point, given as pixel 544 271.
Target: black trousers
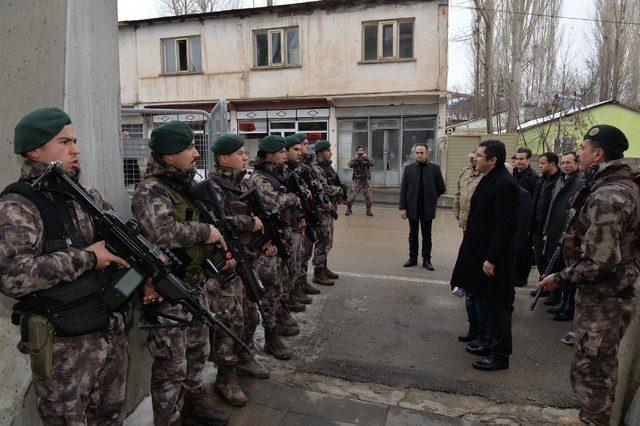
pixel 498 319
pixel 425 225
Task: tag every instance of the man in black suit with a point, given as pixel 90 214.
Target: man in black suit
pixel 421 185
pixel 486 261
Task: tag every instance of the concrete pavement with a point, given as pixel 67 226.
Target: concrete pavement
pixel 383 340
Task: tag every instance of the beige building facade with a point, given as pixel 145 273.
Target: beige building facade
pixel 370 73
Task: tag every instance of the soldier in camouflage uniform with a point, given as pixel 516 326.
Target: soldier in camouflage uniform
pixel 87 381
pixel 322 274
pixel 602 250
pixel 170 218
pixel 266 179
pixel 361 165
pixel 297 297
pixel 307 244
pixel 227 177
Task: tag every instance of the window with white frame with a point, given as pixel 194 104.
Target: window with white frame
pixel 277 47
pixel 390 40
pixel 181 54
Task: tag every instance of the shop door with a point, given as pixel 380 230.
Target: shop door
pixel 282 128
pixel 385 149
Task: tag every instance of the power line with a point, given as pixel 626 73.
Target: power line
pixel 546 15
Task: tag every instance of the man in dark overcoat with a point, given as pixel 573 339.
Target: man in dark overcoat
pixel 565 189
pixel 421 185
pixel 486 260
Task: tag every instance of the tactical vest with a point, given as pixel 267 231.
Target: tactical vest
pixel 232 196
pixel 184 210
pixel 330 174
pixel 73 307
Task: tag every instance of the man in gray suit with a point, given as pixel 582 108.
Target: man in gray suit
pixel 421 185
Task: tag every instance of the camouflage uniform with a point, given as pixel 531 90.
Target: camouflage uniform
pixel 307 244
pixel 325 239
pixel 179 353
pixel 237 212
pixel 361 179
pixel 297 247
pixel 602 248
pixel 286 202
pixel 87 385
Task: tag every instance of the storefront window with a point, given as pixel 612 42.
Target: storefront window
pixel 315 130
pixel 351 134
pixel 418 130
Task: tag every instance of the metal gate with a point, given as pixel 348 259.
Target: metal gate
pixel 138 123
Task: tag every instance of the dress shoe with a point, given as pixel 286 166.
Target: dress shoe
pixel 552 300
pixel 410 262
pixel 556 309
pixel 491 364
pixel 471 335
pixel 564 316
pixel 543 294
pixel 427 264
pixel 478 348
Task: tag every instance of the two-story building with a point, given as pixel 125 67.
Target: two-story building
pixel 368 73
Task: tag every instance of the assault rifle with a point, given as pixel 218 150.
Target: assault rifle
pixel 146 259
pixel 310 213
pixel 206 194
pixel 273 221
pixel 578 202
pixel 319 198
pixel 343 195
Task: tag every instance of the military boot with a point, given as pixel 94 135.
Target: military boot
pixel 226 386
pixel 299 295
pixel 249 366
pixel 369 212
pixel 286 325
pixel 319 276
pixel 274 346
pixel 306 287
pixel 348 212
pixel 295 306
pixel 198 409
pixel 329 274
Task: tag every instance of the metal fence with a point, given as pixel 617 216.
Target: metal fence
pixel 137 125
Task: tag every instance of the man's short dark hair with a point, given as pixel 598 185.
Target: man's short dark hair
pixel 495 149
pixel 359 147
pixel 551 157
pixel 524 150
pixel 421 144
pixel 573 153
pixel 609 152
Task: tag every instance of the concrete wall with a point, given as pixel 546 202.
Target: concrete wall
pixel 330 43
pixel 63 53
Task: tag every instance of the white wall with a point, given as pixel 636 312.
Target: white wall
pixel 330 50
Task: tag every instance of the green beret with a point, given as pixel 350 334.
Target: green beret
pixel 272 143
pixel 608 135
pixel 171 138
pixel 37 128
pixel 301 136
pixel 227 144
pixel 291 141
pixel 322 146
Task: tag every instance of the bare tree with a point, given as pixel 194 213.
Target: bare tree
pixel 611 47
pixel 188 7
pixel 487 11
